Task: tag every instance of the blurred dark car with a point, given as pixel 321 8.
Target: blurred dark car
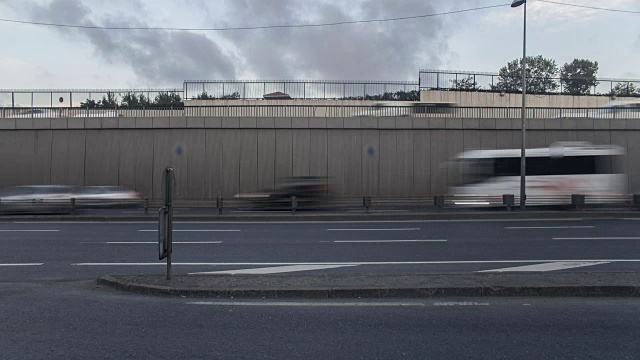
pixel 311 192
pixel 106 196
pixel 36 198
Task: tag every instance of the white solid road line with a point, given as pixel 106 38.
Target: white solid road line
pixel 547 267
pixel 26 230
pixel 273 270
pixel 385 241
pixel 306 304
pixel 24 264
pixel 202 230
pixel 598 238
pixel 155 242
pixel 457 303
pixel 392 229
pixel 454 262
pixel 547 227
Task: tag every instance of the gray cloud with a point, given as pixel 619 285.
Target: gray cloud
pixel 389 51
pixel 161 58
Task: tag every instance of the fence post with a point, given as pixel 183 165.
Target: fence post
pixel 219 205
pixel 146 206
pixel 508 200
pixel 366 202
pixel 577 201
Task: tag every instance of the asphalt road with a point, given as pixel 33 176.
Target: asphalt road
pixel 77 321
pixel 50 307
pixel 82 251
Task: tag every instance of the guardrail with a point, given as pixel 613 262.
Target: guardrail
pixel 367 204
pixel 417 110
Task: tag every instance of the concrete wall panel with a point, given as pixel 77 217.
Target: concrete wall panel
pixel 336 142
pixel 472 140
pixel 266 158
pixel 488 139
pixel 620 138
pixel 284 154
pixel 196 164
pixel 128 156
pixel 231 162
pixel 41 168
pixel 301 151
pixel 318 156
pixel 76 148
pixel 144 163
pixel 59 157
pixel 248 161
pixel 353 163
pixel 438 157
pixel 388 164
pixel 421 163
pixel 370 162
pixel 213 162
pixel 404 163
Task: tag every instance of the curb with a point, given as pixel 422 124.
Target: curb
pixel 417 292
pixel 342 217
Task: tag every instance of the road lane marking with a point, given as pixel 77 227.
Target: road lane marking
pixel 177 220
pixel 454 262
pixel 306 304
pixel 547 227
pixel 29 230
pixel 273 270
pixel 22 264
pixel 155 242
pixel 203 230
pixel 457 303
pixel 553 266
pixel 598 238
pixel 385 241
pixel 387 229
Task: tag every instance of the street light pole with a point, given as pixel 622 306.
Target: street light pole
pixel 523 158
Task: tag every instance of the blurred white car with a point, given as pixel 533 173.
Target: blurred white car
pixel 35 198
pixel 106 196
pixel 34 113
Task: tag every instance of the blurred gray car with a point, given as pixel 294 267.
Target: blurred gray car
pixel 106 196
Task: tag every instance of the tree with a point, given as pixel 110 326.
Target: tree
pixel 579 76
pixel 109 102
pixel 132 101
pixel 234 96
pixel 625 89
pixel 467 83
pixel 89 104
pixel 540 75
pixel 205 96
pixel 166 99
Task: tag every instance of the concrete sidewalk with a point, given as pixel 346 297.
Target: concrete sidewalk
pixel 381 286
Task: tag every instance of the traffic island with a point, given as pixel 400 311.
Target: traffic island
pixel 580 284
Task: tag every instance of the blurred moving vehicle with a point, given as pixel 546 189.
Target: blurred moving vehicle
pixel 106 196
pixel 311 192
pixel 34 198
pixel 553 174
pixel 57 198
pixel 617 109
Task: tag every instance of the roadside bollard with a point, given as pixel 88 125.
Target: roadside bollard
pixel 438 201
pixel 577 201
pixel 294 204
pixel 146 206
pixel 508 200
pixel 219 205
pixel 366 202
pixel 73 205
pixel 636 201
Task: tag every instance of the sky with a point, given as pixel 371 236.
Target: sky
pixel 39 57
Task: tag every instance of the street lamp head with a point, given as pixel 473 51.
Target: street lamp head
pixel 517 3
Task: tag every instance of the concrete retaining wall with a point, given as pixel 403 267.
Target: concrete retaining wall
pixel 381 157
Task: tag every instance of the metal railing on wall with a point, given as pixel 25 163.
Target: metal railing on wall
pixel 354 111
pixel 301 89
pixel 489 82
pixel 65 98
